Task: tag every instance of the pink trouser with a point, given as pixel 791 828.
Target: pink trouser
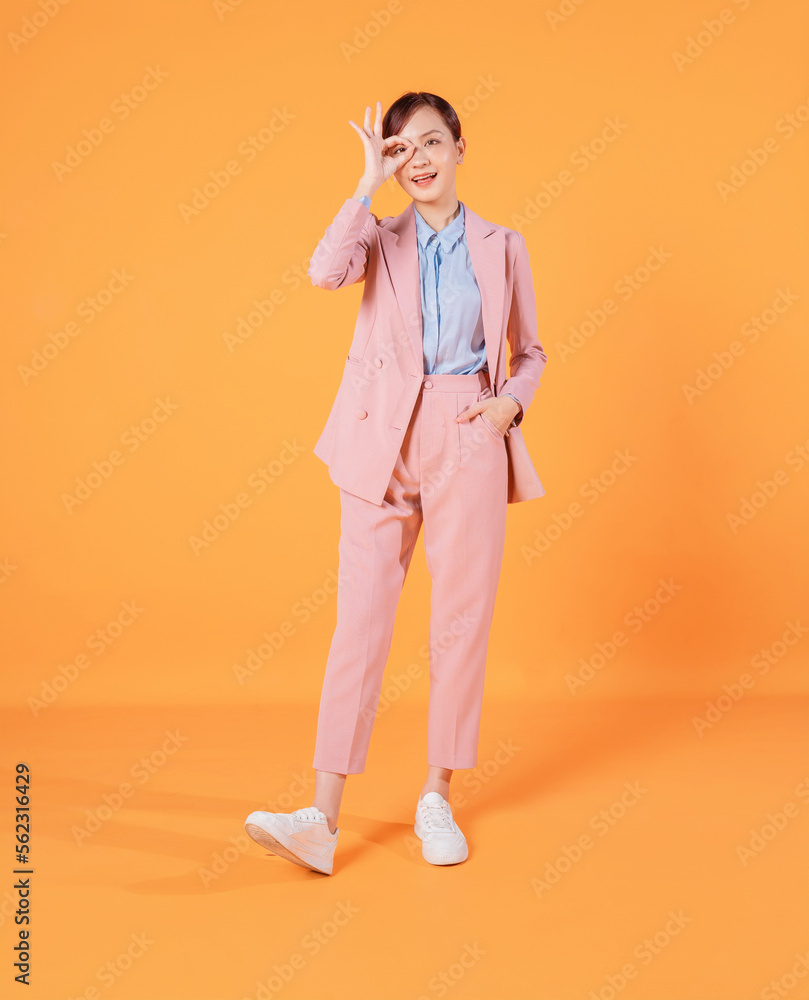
pixel 453 477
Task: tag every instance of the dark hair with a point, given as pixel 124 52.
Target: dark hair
pixel 399 113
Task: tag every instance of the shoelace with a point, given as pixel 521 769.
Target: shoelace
pixel 437 817
pixel 309 812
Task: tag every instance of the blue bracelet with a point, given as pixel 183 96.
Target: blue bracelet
pixel 514 421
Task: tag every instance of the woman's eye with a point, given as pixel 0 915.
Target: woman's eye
pixel 398 149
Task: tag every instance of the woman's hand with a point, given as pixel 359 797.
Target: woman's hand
pixel 379 164
pixel 501 410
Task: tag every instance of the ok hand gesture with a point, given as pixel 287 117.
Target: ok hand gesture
pixel 379 163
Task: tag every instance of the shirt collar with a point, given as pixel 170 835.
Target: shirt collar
pixel 447 237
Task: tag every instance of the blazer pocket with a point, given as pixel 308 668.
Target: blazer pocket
pixel 355 360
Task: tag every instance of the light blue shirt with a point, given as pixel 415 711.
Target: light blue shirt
pixel 452 320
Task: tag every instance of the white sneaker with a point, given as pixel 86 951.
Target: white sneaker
pixel 442 843
pixel 301 836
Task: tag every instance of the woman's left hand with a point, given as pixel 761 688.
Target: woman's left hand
pixel 501 410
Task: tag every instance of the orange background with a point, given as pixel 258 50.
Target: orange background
pixel 164 96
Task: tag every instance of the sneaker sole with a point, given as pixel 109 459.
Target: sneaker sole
pixel 266 839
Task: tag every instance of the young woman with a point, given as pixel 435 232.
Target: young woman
pixel 424 429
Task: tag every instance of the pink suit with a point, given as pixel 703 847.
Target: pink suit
pixel 401 460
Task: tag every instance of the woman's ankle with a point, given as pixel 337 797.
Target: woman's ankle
pixel 331 817
pixel 433 786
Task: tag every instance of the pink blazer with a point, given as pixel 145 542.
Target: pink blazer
pixel 384 368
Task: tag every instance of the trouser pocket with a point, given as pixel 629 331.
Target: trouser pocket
pixel 490 427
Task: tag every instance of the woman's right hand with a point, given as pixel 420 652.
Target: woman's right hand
pixel 379 164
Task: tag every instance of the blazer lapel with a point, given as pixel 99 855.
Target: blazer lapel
pixel 487 251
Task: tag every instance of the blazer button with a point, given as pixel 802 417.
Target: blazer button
pixel 362 414
pixel 378 362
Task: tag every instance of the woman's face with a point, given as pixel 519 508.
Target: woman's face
pixel 434 153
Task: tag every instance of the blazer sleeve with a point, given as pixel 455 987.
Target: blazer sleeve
pixel 341 257
pixel 528 359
